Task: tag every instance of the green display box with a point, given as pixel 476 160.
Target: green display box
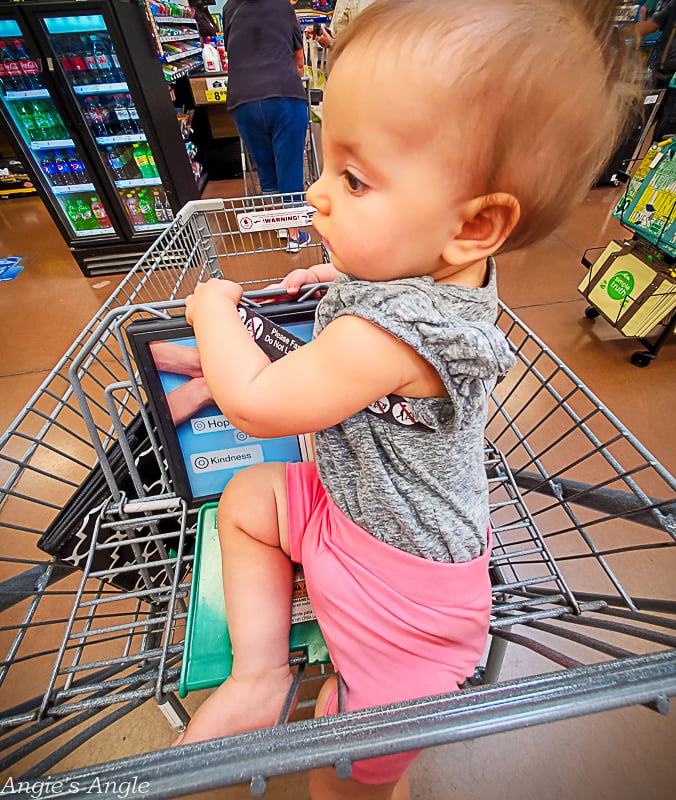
pixel 207 654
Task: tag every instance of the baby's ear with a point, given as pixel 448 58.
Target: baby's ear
pixel 484 224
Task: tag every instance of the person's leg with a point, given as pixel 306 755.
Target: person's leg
pixel 288 120
pixel 254 130
pixel 326 785
pixel 288 126
pixel 257 581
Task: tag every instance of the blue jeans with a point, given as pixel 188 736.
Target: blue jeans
pixel 273 132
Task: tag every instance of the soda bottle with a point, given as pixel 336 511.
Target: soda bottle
pixel 57 121
pixel 45 126
pixel 141 160
pixel 167 209
pixel 135 214
pixel 133 114
pixel 77 67
pixel 146 208
pixel 158 207
pixel 63 168
pixel 94 116
pixel 77 167
pixel 52 119
pixel 90 62
pixel 121 111
pixel 104 62
pixel 87 218
pixel 115 68
pixel 49 168
pixel 28 67
pixel 73 214
pixel 25 113
pixel 151 163
pixel 13 79
pixel 131 167
pixel 99 213
pixel 115 163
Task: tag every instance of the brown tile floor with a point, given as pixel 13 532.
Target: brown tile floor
pixel 620 755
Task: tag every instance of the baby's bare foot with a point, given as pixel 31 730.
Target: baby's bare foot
pixel 239 705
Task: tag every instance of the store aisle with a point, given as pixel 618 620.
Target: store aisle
pixel 614 756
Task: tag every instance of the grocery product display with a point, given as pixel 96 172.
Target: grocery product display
pixel 36 118
pixel 174 30
pixel 87 110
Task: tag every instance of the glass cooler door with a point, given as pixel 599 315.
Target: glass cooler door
pixel 87 57
pixel 31 112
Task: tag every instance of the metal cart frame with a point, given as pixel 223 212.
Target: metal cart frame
pixel 576 502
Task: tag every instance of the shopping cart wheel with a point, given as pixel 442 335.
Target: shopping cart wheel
pixel 641 359
pixel 591 312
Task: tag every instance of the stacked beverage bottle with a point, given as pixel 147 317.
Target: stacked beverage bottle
pixel 18 71
pixel 89 59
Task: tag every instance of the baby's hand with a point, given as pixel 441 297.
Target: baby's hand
pixel 211 295
pixel 294 280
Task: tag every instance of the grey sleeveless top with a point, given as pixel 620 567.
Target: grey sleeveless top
pixel 424 492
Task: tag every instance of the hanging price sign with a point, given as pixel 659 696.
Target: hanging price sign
pixel 216 95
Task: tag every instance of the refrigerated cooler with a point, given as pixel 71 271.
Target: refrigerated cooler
pixel 85 103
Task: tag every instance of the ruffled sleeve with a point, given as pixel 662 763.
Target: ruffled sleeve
pixel 451 327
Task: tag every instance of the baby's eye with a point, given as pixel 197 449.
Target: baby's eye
pixel 353 183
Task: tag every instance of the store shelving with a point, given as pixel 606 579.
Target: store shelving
pixel 176 38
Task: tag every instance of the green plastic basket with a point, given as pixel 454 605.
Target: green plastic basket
pixel 207 654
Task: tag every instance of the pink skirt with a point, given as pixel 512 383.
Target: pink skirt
pixel 398 627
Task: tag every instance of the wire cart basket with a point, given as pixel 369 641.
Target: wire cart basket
pixel 577 505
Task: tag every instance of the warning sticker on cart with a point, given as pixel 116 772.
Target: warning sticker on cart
pixel 298 217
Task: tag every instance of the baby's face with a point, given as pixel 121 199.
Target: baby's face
pixel 385 202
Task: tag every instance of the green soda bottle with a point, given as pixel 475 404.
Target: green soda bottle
pixel 73 214
pixel 141 159
pixel 146 208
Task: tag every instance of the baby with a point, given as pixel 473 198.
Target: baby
pixel 451 131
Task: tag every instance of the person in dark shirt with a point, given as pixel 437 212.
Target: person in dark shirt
pixel 266 94
pixel 205 23
pixel 664 65
pixel 665 51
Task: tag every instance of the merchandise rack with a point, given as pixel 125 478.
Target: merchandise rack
pixel 646 210
pixel 578 507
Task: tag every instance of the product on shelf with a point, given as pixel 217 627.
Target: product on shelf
pixel 160 211
pixel 131 201
pixel 144 160
pixel 106 61
pixel 40 120
pixel 64 171
pixel 99 213
pixel 27 66
pixel 10 70
pixel 94 116
pixel 80 213
pixel 146 208
pixel 77 167
pixel 14 179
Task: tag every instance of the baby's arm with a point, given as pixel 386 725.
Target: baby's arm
pixel 349 365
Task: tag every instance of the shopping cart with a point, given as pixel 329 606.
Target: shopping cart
pixel 577 507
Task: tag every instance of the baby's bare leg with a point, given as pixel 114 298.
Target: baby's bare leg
pixel 326 785
pixel 257 580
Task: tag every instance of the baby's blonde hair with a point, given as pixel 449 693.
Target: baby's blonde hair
pixel 543 88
